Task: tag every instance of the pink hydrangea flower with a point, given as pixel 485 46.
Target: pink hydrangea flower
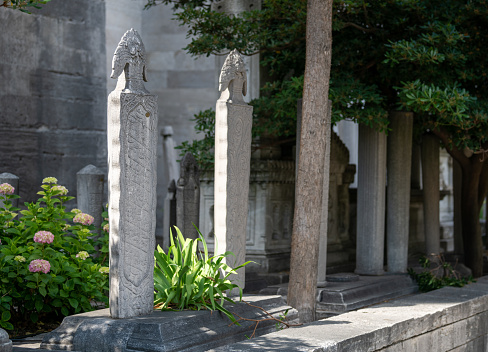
pixel 43 237
pixel 6 189
pixel 83 219
pixel 62 189
pixel 39 265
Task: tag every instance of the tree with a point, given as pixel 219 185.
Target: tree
pixel 23 5
pixel 421 55
pixel 309 184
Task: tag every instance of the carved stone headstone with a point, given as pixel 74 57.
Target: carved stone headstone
pixel 233 121
pixel 132 142
pixel 12 180
pixel 169 209
pixel 188 197
pixel 89 190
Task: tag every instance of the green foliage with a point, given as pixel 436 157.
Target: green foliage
pixel 188 279
pixel 23 5
pixel 437 275
pixel 202 149
pixel 71 281
pixel 377 47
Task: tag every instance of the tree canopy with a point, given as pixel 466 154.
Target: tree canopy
pixel 23 5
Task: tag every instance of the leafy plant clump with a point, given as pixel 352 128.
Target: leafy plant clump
pixel 186 278
pixel 437 274
pixel 47 264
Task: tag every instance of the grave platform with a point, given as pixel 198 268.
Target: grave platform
pixel 192 331
pixel 358 291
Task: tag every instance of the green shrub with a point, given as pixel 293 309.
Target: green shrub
pixel 47 269
pixel 437 274
pixel 184 279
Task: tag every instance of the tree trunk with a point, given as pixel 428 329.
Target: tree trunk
pixel 470 211
pixel 309 183
pixel 474 190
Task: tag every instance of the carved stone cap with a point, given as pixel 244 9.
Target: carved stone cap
pixel 233 78
pixel 130 57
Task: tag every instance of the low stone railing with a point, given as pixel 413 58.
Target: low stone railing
pixel 448 319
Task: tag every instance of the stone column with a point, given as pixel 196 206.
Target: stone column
pixel 235 8
pixel 169 209
pixel 233 121
pixel 89 190
pixel 132 142
pixel 188 197
pixel 322 260
pixel 5 343
pixel 430 182
pixel 371 202
pixel 399 160
pixel 12 180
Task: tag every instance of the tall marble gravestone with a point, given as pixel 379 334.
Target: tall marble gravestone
pixel 233 121
pixel 188 197
pixel 132 142
pixel 171 165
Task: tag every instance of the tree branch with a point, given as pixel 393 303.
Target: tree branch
pixel 451 149
pixel 351 24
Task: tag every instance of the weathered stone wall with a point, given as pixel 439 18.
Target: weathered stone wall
pixel 52 92
pixel 450 319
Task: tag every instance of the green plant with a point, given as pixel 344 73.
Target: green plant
pixel 186 278
pixel 22 5
pixel 437 274
pixel 46 265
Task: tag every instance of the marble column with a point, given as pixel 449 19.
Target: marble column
pixel 399 160
pixel 430 182
pixel 89 191
pixel 371 201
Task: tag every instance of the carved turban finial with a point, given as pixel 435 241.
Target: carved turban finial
pixel 233 76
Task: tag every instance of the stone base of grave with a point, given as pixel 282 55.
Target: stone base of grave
pixel 341 296
pixel 165 331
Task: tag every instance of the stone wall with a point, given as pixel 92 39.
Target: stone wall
pixel 52 92
pixel 450 319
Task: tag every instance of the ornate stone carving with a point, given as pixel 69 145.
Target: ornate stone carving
pixel 130 57
pixel 233 79
pixel 132 142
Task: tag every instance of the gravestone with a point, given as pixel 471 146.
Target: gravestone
pixel 169 209
pixel 132 142
pixel 5 343
pixel 14 182
pixel 188 197
pixel 89 190
pixel 233 121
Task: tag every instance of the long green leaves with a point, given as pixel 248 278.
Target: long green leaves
pixel 185 278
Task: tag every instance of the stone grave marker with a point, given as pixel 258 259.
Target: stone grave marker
pixel 132 142
pixel 89 190
pixel 188 197
pixel 12 180
pixel 233 121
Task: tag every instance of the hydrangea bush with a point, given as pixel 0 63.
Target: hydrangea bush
pixel 48 265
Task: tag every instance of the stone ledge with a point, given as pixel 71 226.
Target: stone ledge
pixel 442 320
pixel 163 331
